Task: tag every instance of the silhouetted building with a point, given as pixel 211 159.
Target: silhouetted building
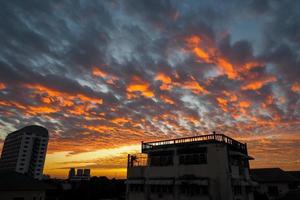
pixel 214 167
pixel 274 182
pixel 80 175
pixel 24 151
pixel 14 186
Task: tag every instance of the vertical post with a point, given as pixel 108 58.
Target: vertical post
pixel 214 132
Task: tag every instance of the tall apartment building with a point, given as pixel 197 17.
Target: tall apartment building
pixel 212 167
pixel 24 151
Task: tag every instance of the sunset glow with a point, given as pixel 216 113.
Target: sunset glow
pixel 102 77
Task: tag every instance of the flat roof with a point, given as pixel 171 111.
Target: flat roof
pixel 35 129
pixel 220 138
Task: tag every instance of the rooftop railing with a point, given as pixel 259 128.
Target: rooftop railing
pixel 195 139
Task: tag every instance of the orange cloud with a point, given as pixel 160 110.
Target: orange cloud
pixel 295 87
pixel 244 104
pixel 166 81
pixel 110 79
pixel 2 86
pixel 98 72
pixel 99 128
pixel 120 120
pixel 222 103
pixel 41 110
pixel 194 86
pixel 64 98
pixel 257 84
pixel 208 52
pixel 138 85
pixel 166 99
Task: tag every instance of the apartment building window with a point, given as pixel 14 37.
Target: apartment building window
pixel 237 190
pixel 193 190
pixel 192 155
pixel 162 189
pixel 193 159
pixel 161 158
pixel 137 188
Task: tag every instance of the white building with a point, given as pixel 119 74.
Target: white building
pixel 24 151
pixel 213 167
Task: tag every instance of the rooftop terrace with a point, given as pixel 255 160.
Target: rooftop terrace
pixel 219 138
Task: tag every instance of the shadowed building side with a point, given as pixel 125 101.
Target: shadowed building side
pixel 24 151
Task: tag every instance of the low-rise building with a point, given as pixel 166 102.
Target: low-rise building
pixel 273 182
pixel 214 167
pixel 17 186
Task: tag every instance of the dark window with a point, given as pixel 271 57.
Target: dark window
pixel 237 190
pixel 162 189
pixel 161 160
pixel 193 190
pixel 193 159
pixel 136 188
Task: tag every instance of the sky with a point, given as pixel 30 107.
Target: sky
pixel 102 76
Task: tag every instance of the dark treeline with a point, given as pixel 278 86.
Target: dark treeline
pixel 96 188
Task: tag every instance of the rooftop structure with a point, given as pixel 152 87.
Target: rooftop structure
pixel 211 166
pixel 79 175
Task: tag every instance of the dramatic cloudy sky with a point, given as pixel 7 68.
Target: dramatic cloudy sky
pixel 102 76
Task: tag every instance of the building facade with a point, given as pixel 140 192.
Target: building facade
pixel 24 151
pixel 274 182
pixel 79 175
pixel 213 167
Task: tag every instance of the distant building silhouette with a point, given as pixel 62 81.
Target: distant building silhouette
pixel 274 182
pixel 24 151
pixel 80 175
pixel 14 185
pixel 214 167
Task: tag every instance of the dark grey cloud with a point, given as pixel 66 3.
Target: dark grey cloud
pixel 58 44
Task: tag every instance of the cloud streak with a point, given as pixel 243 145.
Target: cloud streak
pixel 108 74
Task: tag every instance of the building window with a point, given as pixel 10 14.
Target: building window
pixel 237 190
pixel 162 189
pixel 193 190
pixel 161 160
pixel 136 188
pixel 193 159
